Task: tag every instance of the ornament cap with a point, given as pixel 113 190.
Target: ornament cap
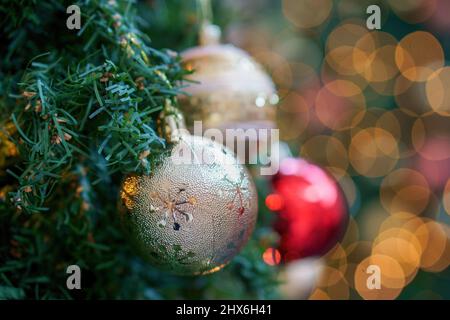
pixel 171 124
pixel 209 34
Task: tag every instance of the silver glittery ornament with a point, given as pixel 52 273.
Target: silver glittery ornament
pixel 229 89
pixel 195 211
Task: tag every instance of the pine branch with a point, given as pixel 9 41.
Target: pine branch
pixel 107 101
pixel 78 111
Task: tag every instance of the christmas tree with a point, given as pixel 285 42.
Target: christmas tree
pixel 359 209
pixel 79 111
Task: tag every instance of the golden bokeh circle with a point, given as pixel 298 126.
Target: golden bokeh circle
pixel 382 65
pixel 413 11
pixel 336 258
pixel 346 34
pixel 410 96
pixel 277 66
pixel 292 115
pixel 373 152
pixel 346 60
pixel 384 88
pixel 329 75
pixel 431 137
pixel 356 252
pixel 437 91
pixel 443 262
pixel 305 78
pixel 404 190
pixel 446 197
pixel 307 13
pixel 401 247
pixel 400 221
pixel 326 151
pixel 319 294
pixel 388 121
pixel 374 56
pixel 434 238
pixel 380 118
pixel 418 55
pixel 392 278
pixel 402 132
pixel 351 235
pixel 333 283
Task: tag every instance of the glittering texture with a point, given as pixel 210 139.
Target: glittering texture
pixel 191 218
pixel 231 89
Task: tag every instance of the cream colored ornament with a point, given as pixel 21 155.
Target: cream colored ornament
pixel 231 90
pixel 195 211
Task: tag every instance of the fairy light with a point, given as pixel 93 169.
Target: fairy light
pixel 271 256
pixel 274 202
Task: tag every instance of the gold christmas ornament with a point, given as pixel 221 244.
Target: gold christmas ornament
pixel 230 89
pixel 197 208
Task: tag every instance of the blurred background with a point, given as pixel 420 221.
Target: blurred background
pixel 372 108
pixel 368 109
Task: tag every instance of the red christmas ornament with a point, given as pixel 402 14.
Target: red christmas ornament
pixel 312 211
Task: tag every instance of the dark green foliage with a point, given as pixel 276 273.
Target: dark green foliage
pixel 84 105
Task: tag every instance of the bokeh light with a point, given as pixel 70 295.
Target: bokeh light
pixel 435 240
pixel 274 202
pixel 398 245
pixel 414 11
pixel 446 197
pixel 332 281
pixel 331 153
pixel 431 137
pixel 299 12
pixel 293 115
pixel 339 105
pixel 272 256
pixel 404 190
pixel 371 107
pixel 418 55
pixel 392 278
pixel 373 152
pixel 437 91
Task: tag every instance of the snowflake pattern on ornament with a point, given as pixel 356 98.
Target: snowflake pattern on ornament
pixel 236 187
pixel 173 206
